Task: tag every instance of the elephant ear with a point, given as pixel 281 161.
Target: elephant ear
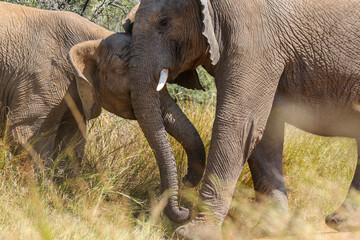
pixel 83 58
pixel 209 32
pixel 128 21
pixel 189 79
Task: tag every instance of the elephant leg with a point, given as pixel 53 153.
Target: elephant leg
pixel 266 170
pixel 347 216
pixel 242 111
pixel 45 138
pixel 36 149
pixel 3 120
pixel 265 163
pixel 217 188
pixel 70 145
pixel 33 130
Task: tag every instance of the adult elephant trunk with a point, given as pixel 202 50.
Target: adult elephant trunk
pixel 146 104
pixel 180 127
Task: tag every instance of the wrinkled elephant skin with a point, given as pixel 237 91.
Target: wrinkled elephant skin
pixel 273 62
pixel 54 80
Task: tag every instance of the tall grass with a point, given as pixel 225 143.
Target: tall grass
pixel 318 171
pixel 117 193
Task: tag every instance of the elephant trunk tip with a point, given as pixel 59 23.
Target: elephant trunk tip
pixel 176 214
pixel 191 181
pixel 195 174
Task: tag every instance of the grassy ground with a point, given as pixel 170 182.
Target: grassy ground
pixel 117 194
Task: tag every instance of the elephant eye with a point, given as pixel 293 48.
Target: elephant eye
pixel 163 23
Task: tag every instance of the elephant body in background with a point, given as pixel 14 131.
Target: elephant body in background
pixel 57 70
pixel 273 62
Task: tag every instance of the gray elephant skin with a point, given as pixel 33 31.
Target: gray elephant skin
pixel 273 62
pixel 57 70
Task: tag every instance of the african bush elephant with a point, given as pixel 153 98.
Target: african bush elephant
pixel 273 62
pixel 58 69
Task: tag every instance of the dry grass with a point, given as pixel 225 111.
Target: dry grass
pixel 116 196
pixel 318 172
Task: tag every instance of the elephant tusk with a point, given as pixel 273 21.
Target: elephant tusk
pixel 162 80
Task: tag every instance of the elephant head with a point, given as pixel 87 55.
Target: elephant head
pixel 167 44
pixel 102 75
pixel 184 35
pixel 101 68
pixel 170 38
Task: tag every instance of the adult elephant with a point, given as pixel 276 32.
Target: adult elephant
pixel 57 70
pixel 273 62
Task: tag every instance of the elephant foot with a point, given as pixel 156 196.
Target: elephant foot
pixel 266 229
pixel 273 223
pixel 344 220
pixel 198 229
pixel 194 174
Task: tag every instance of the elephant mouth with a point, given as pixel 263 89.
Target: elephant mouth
pixel 128 114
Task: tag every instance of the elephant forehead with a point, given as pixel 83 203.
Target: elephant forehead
pixel 155 8
pixel 117 42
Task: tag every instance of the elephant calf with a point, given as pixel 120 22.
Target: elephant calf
pixel 57 70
